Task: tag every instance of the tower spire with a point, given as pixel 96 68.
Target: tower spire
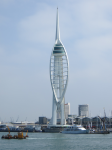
pixel 57 38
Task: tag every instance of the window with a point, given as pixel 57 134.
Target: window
pixel 58 48
pixel 58 52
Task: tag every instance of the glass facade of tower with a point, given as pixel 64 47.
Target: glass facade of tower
pixel 58 48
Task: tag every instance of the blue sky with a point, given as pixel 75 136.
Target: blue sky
pixel 27 36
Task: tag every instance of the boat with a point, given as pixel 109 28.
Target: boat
pixel 19 136
pixel 54 128
pixel 38 129
pixel 75 129
pixel 29 128
pixel 100 132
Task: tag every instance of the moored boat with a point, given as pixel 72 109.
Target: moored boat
pixel 75 129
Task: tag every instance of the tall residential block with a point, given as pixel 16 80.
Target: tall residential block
pixel 67 110
pixel 83 110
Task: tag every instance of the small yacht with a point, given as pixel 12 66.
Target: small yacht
pixel 75 129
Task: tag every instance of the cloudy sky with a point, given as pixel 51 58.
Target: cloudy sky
pixel 27 36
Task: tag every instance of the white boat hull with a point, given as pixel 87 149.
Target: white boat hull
pixel 75 129
pixel 76 132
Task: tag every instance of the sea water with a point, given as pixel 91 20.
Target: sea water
pixel 58 141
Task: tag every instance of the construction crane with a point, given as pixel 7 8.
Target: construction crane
pixel 103 121
pixel 8 130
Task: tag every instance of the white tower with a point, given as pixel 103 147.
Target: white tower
pixel 59 76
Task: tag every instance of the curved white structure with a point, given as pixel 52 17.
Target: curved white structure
pixel 59 76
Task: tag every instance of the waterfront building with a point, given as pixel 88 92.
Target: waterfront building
pixel 86 121
pixel 42 120
pixel 72 116
pixel 67 110
pixel 78 120
pixel 96 122
pixel 59 77
pixel 83 110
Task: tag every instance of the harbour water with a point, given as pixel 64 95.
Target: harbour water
pixel 58 141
